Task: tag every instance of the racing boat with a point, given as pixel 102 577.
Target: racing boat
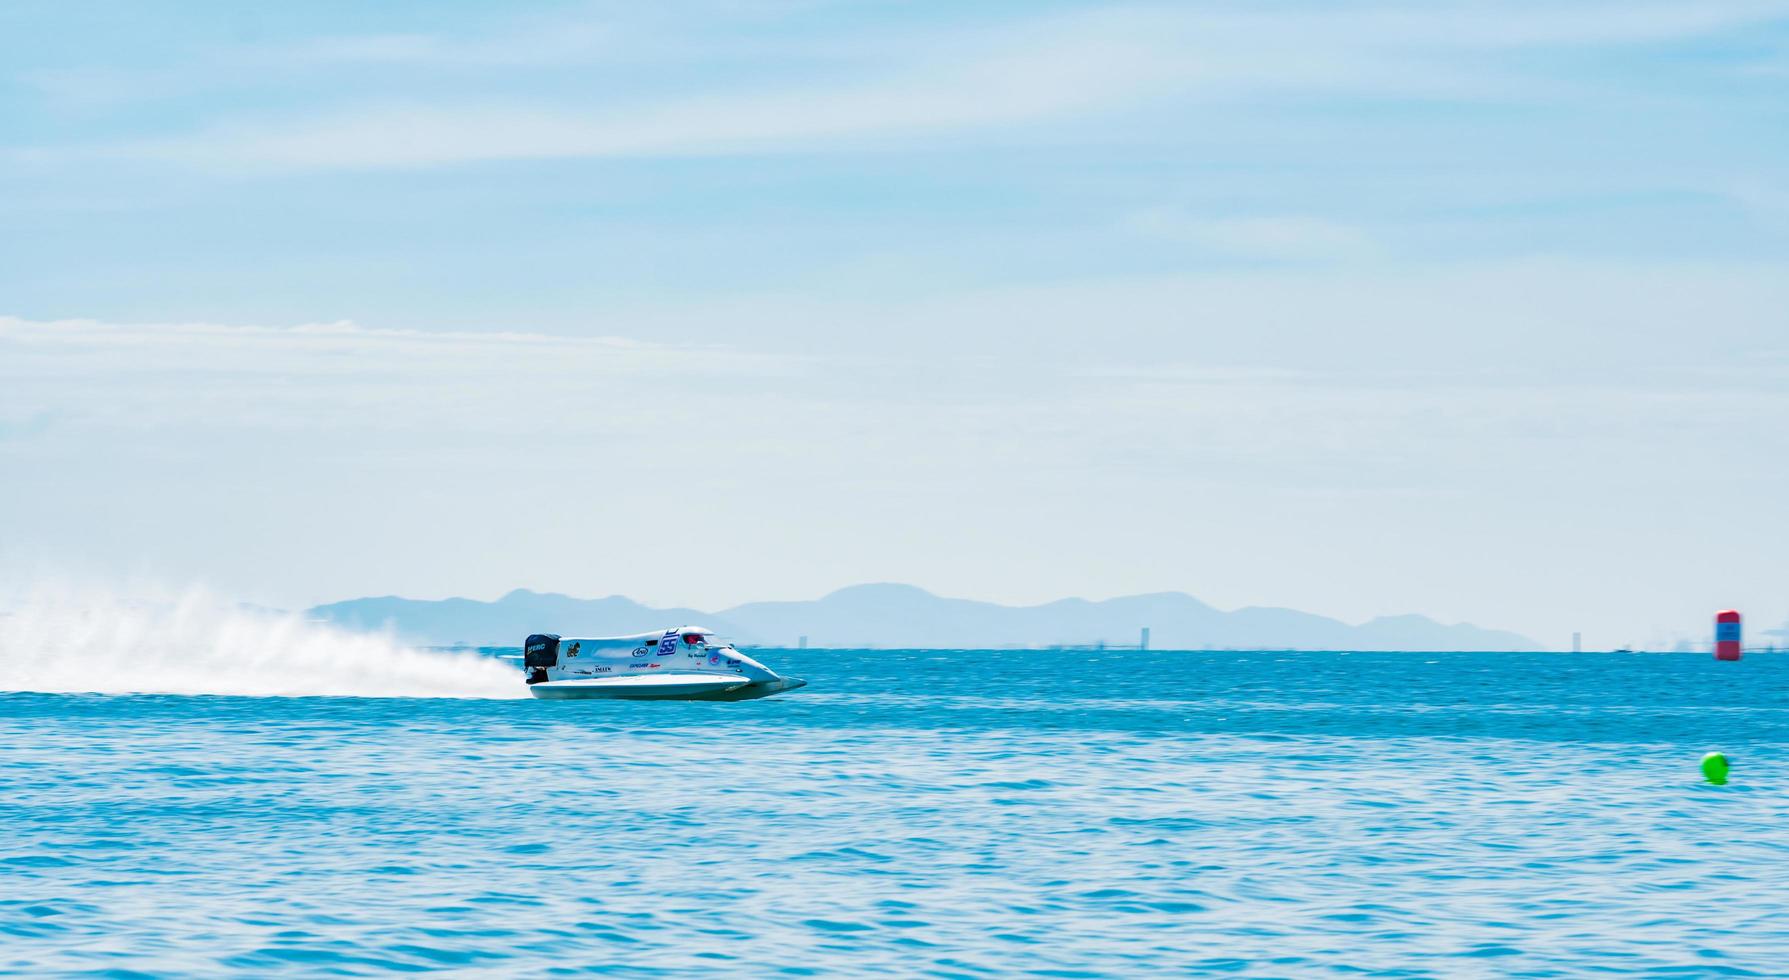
pixel 684 664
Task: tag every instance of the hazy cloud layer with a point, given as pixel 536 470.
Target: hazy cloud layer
pixel 598 452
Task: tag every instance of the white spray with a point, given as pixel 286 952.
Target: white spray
pixel 62 639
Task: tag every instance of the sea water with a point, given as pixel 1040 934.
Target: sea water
pixel 961 813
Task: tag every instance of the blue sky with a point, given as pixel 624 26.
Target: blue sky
pixel 1468 309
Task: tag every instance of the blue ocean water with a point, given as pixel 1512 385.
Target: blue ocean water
pixel 1060 814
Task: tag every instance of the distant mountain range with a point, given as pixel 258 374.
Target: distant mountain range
pixel 903 616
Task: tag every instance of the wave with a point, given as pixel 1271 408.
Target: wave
pixel 70 640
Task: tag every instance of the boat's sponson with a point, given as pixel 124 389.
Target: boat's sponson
pixel 667 690
pixel 685 664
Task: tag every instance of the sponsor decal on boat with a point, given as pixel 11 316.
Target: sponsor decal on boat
pixel 639 651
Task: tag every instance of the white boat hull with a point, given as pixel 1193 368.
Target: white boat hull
pixel 664 689
pixel 656 686
pixel 681 665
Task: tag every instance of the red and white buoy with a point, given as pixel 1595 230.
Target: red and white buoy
pixel 1726 635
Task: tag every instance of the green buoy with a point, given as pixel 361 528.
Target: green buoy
pixel 1714 768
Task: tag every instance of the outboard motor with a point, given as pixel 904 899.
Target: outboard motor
pixel 540 651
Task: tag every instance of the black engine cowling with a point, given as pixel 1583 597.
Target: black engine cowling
pixel 541 650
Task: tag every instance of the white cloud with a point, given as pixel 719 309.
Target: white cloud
pixel 554 44
pixel 1494 25
pixel 532 44
pixel 1267 237
pixel 1048 75
pixel 1766 201
pixel 340 375
pixel 949 81
pixel 347 339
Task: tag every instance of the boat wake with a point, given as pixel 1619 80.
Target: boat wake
pixel 75 641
